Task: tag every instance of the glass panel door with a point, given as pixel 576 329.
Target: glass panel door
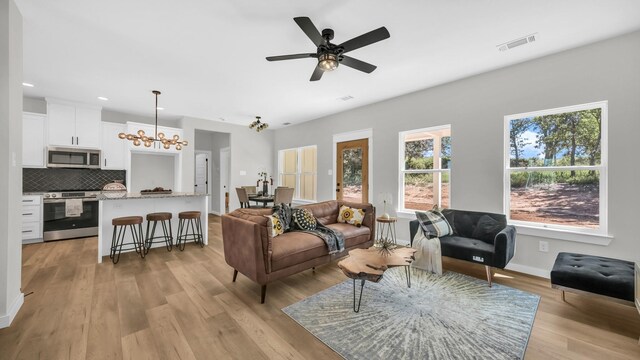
pixel 353 171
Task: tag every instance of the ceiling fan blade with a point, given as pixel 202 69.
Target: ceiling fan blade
pixel 357 64
pixel 317 74
pixel 311 30
pixel 291 57
pixel 365 39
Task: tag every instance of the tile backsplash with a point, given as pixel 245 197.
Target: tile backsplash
pixel 36 180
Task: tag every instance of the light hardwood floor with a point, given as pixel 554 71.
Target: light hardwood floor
pixel 183 305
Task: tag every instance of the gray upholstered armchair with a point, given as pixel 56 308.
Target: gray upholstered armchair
pixel 479 237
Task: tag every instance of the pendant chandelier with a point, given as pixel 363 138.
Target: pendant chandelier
pixel 141 138
pixel 257 125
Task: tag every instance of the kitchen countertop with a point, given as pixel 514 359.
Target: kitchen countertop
pixel 117 195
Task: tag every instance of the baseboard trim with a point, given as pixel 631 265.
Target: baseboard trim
pixel 6 320
pixel 530 270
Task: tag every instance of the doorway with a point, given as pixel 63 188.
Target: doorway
pixel 352 171
pixel 211 143
pixel 225 159
pixel 202 173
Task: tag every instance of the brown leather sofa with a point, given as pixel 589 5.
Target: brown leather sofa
pixel 251 251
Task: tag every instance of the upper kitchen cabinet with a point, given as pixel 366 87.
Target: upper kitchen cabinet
pixel 113 148
pixel 33 140
pixel 73 125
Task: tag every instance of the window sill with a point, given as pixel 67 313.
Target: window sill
pixel 405 214
pixel 568 235
pixel 303 202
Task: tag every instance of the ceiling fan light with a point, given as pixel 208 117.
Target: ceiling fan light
pixel 328 61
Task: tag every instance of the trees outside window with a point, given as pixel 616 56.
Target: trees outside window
pixel 556 168
pixel 425 168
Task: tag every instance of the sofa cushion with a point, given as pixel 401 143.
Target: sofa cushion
pixel 295 247
pixel 486 229
pixel 467 249
pixel 595 274
pixel 351 215
pixel 326 212
pixel 465 222
pixel 353 235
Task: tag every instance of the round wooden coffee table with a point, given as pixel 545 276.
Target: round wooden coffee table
pixel 370 264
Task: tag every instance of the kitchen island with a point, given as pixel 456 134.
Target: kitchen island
pixel 117 204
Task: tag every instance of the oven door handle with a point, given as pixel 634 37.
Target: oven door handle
pixel 49 201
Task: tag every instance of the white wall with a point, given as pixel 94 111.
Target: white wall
pixel 10 160
pixel 149 171
pixel 250 151
pixel 475 107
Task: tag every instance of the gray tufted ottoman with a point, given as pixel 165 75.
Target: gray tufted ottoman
pixel 607 277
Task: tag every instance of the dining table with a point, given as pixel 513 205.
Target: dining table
pixel 261 199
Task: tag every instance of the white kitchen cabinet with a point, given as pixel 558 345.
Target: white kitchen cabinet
pixel 113 148
pixel 73 125
pixel 33 140
pixel 31 219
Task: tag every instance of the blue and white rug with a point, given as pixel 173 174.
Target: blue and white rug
pixel 452 316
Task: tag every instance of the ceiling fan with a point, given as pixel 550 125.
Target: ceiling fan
pixel 330 55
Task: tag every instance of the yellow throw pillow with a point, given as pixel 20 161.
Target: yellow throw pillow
pixel 275 225
pixel 351 216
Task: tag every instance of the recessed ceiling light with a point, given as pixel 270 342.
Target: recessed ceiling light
pixel 160 108
pixel 103 98
pixel 27 84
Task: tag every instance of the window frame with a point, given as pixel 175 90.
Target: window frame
pixel 561 231
pixel 298 174
pixel 401 210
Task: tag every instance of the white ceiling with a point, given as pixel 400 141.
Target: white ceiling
pixel 208 57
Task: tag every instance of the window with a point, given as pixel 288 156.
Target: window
pixel 425 168
pixel 556 168
pixel 298 169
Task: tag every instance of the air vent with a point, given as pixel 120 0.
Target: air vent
pixel 517 42
pixel 345 98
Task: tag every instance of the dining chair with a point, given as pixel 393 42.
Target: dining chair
pixel 251 190
pixel 243 197
pixel 283 195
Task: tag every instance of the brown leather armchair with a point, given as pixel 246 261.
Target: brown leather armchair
pixel 250 250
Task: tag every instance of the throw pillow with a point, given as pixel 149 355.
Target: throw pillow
pixel 351 216
pixel 303 219
pixel 275 225
pixel 284 213
pixel 486 229
pixel 433 224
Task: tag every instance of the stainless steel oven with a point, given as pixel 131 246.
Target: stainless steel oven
pixel 58 224
pixel 58 157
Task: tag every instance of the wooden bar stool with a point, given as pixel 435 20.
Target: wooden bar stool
pixel 186 219
pixel 120 226
pixel 167 235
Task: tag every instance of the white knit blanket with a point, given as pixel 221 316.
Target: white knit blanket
pixel 428 256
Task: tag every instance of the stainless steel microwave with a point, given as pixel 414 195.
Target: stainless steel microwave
pixel 58 157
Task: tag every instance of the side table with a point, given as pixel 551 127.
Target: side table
pixel 385 230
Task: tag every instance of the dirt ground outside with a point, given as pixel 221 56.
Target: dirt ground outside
pixel 561 204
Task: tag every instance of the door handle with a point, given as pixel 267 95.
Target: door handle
pixel 337 190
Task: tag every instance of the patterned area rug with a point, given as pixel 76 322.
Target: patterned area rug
pixel 452 316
